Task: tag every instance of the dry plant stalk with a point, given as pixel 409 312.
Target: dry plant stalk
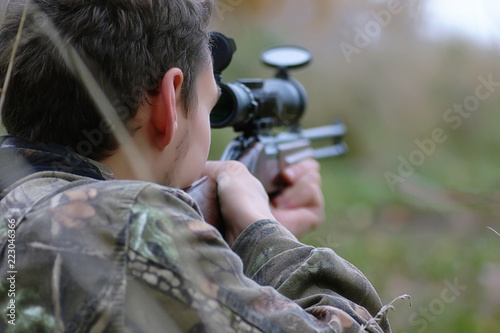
pixel 382 314
pixel 496 232
pixel 13 55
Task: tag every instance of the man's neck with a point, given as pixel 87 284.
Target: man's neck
pixel 127 163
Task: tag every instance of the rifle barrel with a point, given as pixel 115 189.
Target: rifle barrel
pixel 322 132
pixel 330 151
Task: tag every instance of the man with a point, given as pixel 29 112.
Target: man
pixel 93 243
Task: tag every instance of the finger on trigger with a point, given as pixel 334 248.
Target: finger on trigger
pixel 306 192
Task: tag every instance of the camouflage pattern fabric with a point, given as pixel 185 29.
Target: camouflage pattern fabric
pixel 95 254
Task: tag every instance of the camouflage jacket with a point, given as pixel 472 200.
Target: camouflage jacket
pixel 84 252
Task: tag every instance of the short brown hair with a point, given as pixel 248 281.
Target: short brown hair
pixel 129 44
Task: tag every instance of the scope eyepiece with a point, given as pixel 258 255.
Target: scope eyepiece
pixel 234 107
pixel 223 49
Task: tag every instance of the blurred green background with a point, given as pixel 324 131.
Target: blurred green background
pixel 427 235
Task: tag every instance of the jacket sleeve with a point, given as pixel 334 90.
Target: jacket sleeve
pixel 268 282
pixel 310 276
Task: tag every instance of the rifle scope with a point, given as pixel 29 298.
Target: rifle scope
pixel 248 104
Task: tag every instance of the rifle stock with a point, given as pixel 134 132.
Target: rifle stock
pixel 204 193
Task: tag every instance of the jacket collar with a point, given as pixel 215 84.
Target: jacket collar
pixel 20 158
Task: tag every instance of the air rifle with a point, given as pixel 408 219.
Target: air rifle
pixel 266 113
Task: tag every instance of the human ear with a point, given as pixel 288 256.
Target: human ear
pixel 164 115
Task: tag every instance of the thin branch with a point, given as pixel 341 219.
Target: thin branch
pixel 13 55
pixel 56 292
pixel 496 232
pixel 382 314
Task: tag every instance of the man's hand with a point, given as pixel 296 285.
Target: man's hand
pixel 242 198
pixel 300 206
